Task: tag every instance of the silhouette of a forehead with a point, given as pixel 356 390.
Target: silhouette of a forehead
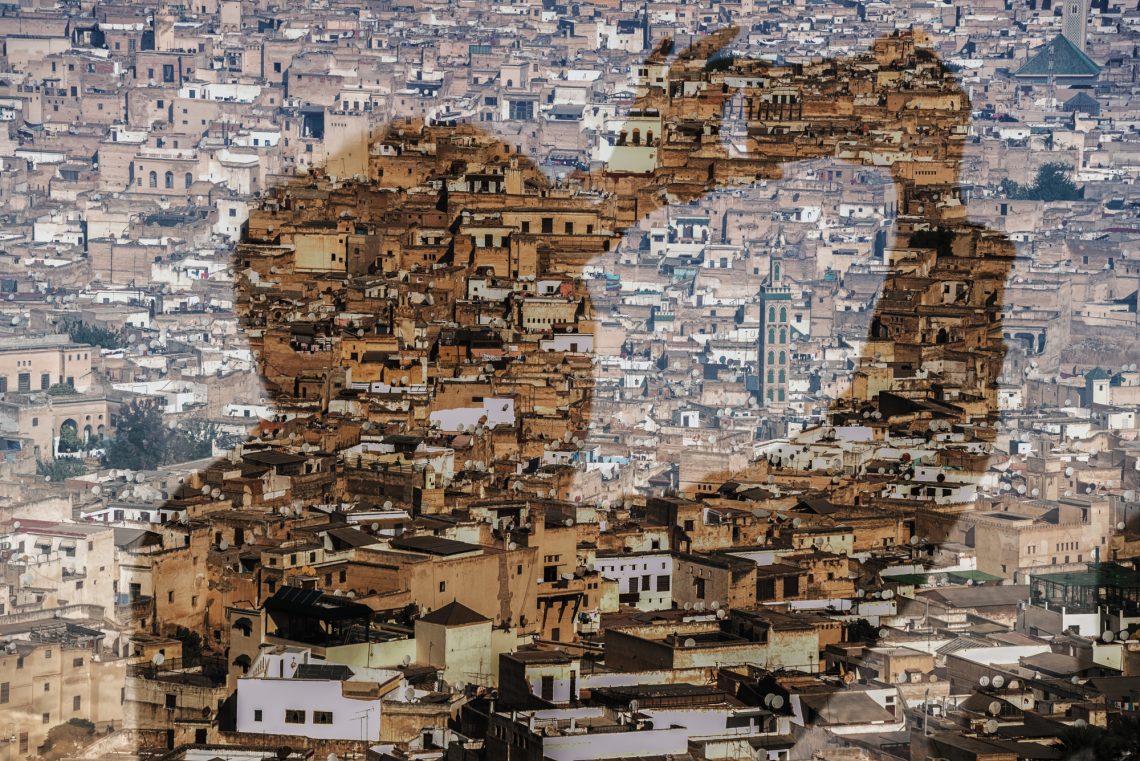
pixel 446 204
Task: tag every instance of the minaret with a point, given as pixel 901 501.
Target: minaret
pixel 1075 22
pixel 645 35
pixel 775 331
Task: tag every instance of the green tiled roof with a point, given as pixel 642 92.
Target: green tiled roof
pixel 1059 58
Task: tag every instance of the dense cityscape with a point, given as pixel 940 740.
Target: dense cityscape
pixel 463 382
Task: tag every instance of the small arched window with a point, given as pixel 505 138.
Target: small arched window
pixel 783 314
pixel 771 357
pixel 783 376
pixel 783 335
pixel 771 314
pixel 188 179
pixel 783 357
pixel 152 178
pixel 168 180
pixel 771 335
pixel 771 376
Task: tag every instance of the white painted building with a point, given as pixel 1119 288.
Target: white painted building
pixel 288 692
pixel 649 576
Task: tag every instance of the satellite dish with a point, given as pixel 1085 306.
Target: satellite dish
pixel 999 681
pixel 410 694
pixel 768 699
pixel 994 708
pixel 407 659
pixel 1107 636
pixel 158 659
pixel 331 757
pixel 883 633
pixel 688 605
pixel 888 594
pixel 777 702
pixel 634 705
pixel 223 545
pixel 1075 679
pixel 722 614
pixel 375 526
pixel 984 681
pixel 991 726
pixel 690 642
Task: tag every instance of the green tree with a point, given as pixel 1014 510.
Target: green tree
pixel 1052 183
pixel 81 332
pixel 61 469
pixel 191 644
pixel 192 440
pixel 862 630
pixel 69 440
pixel 140 439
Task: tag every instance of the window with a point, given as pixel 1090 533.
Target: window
pixel 76 702
pixel 152 179
pixel 167 72
pixel 47 654
pixel 3 383
pixel 171 700
pixel 47 718
pixel 294 716
pixel 23 742
pixel 663 583
pixel 5 692
pixel 45 381
pixel 322 717
pixel 188 179
pixel 168 180
pixel 24 382
pixel 257 714
pixel 77 663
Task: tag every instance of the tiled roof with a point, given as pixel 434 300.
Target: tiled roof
pixel 1059 58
